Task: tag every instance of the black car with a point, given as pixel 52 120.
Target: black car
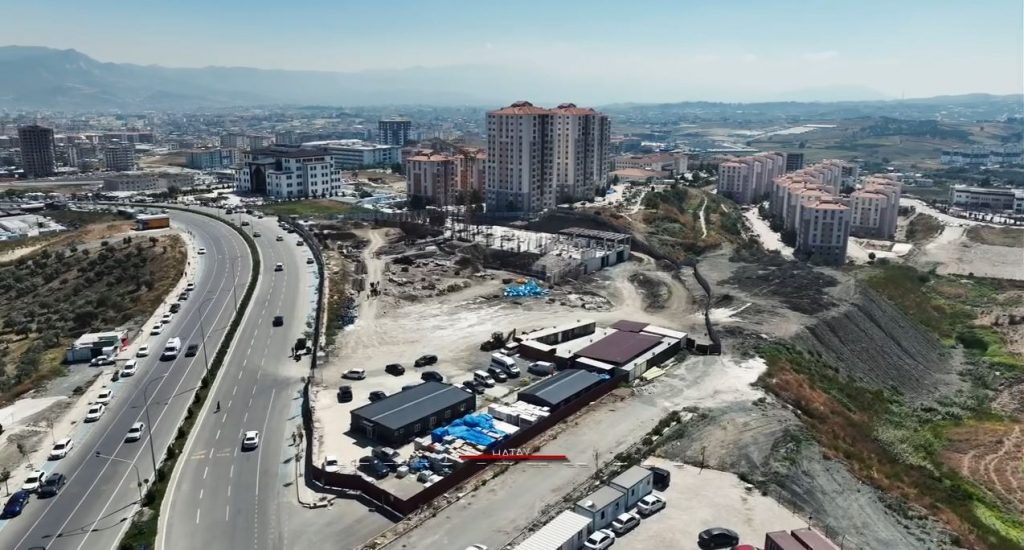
pixel 344 394
pixel 472 386
pixel 192 350
pixel 52 485
pixel 278 320
pixel 425 360
pixel 183 296
pixel 175 307
pixel 497 374
pixel 374 467
pixel 15 505
pixel 377 396
pixel 717 538
pixel 394 369
pixel 432 376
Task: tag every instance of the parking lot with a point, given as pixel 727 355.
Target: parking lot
pixel 697 500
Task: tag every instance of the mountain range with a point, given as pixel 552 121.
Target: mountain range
pixel 68 80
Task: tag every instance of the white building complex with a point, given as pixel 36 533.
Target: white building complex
pixel 288 172
pixel 539 157
pixel 748 180
pixel 992 199
pixel 983 155
pixel 347 154
pixel 806 203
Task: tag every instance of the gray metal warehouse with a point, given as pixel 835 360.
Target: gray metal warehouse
pixel 400 417
pixel 561 388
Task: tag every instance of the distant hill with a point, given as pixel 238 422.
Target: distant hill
pixel 46 78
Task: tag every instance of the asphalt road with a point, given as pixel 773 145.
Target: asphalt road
pixel 220 494
pixel 93 509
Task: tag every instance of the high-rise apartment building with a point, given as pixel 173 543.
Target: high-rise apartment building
pixel 806 203
pixel 38 158
pixel 207 159
pixel 393 131
pixel 119 157
pixel 794 161
pixel 748 179
pixel 875 207
pixel 445 179
pixel 538 157
pixel 824 230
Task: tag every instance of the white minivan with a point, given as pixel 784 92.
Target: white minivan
pixel 483 378
pixel 505 363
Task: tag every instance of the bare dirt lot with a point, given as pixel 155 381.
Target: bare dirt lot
pixel 990 455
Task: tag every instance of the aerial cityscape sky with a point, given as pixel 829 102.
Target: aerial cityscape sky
pixel 644 50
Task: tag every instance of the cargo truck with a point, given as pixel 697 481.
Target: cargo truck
pixel 155 221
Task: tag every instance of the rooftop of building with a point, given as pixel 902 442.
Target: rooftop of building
pixel 400 409
pixel 632 476
pixel 285 151
pixel 431 157
pixel 347 144
pixel 527 108
pixel 563 385
pixel 556 532
pixel 600 498
pixel 618 348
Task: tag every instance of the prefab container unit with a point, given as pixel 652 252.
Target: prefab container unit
pixel 156 221
pixel 781 540
pixel 567 531
pixel 408 414
pixel 812 540
pixel 602 507
pixel 635 483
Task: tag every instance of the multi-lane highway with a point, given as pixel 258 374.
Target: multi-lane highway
pixel 220 494
pixel 93 509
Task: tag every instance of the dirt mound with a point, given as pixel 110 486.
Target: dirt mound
pixel 872 342
pixel 797 285
pixel 656 293
pixel 766 445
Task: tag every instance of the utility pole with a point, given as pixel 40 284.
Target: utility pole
pixel 149 425
pixel 138 477
pixel 202 332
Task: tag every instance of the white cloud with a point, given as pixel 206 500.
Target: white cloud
pixel 820 56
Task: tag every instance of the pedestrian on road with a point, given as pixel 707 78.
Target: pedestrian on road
pixel 218 406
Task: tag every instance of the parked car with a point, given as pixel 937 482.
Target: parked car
pixel 599 540
pixel 483 378
pixel 157 329
pixel 53 484
pixel 377 395
pixel 192 350
pixel 175 307
pixel 256 234
pixel 95 412
pixel 431 376
pixel 299 243
pixel 625 523
pixel 331 464
pixel 15 505
pixel 130 368
pixel 497 374
pixel 394 369
pixel 135 432
pixel 309 260
pixel 190 287
pixel 101 361
pixel 245 223
pixel 278 320
pixel 473 386
pixel 344 394
pixel 374 467
pixel 541 368
pixel 61 448
pixel 650 504
pixel 505 363
pixel 33 481
pixel 425 360
pixel 201 251
pixel 354 374
pixel 166 318
pixel 279 238
pixel 104 397
pixel 142 351
pixel 716 538
pixel 250 440
pixel 183 296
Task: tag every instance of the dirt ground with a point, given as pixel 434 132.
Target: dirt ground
pixel 953 253
pixel 990 455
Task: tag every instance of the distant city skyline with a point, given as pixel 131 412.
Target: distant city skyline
pixel 645 51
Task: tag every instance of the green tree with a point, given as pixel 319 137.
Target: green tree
pixel 396 168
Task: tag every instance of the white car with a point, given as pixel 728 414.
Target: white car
pixel 142 351
pixel 95 412
pixel 61 448
pixel 104 397
pixel 279 266
pixel 650 504
pixel 166 318
pixel 33 481
pixel 251 440
pixel 101 361
pixel 190 287
pixel 601 539
pixel 476 547
pixel 625 523
pixel 135 432
pixel 201 251
pixel 280 238
pixel 331 464
pixel 354 374
pixel 157 329
pixel 130 368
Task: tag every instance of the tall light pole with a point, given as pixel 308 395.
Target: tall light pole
pixel 149 425
pixel 234 282
pixel 202 330
pixel 138 477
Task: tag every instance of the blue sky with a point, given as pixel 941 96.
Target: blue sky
pixel 643 49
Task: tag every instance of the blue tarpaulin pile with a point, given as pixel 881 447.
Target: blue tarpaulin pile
pixel 529 289
pixel 418 464
pixel 469 428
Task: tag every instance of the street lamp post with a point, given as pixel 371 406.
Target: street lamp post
pixel 202 331
pixel 149 425
pixel 138 477
pixel 234 282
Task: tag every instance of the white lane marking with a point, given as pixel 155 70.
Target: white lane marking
pixel 246 417
pixel 233 390
pixel 231 472
pixel 259 454
pixel 229 489
pixel 227 509
pixel 205 471
pixel 217 436
pixel 197 516
pixel 200 494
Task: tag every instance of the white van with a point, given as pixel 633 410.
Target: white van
pixel 483 378
pixel 505 363
pixel 172 348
